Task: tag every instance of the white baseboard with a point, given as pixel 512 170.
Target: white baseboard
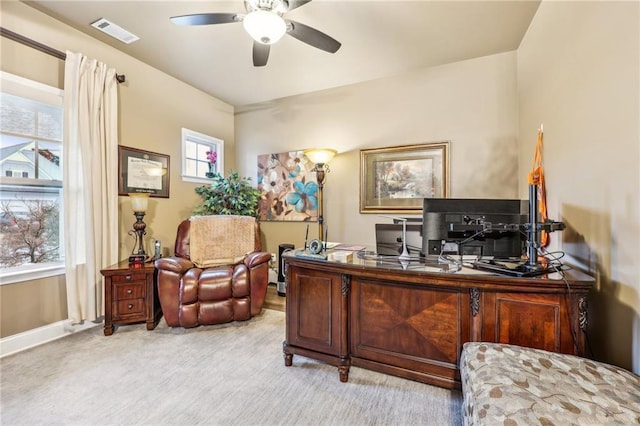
pixel 28 339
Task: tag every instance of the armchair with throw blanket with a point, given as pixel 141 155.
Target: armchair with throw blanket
pixel 218 273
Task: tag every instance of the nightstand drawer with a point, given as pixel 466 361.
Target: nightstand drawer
pixel 138 276
pixel 131 307
pixel 127 291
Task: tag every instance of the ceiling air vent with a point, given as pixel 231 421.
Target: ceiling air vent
pixel 115 31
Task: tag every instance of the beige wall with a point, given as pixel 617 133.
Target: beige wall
pixel 472 104
pixel 578 73
pixel 153 109
pixel 32 304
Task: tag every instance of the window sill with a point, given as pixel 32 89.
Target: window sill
pixel 196 179
pixel 30 273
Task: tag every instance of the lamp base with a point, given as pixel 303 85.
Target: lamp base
pixel 138 258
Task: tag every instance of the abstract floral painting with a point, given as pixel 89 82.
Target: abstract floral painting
pixel 289 187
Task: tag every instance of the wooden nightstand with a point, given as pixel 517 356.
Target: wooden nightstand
pixel 130 296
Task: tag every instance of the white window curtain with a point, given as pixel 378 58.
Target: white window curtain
pixel 90 182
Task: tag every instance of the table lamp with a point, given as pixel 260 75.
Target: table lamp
pixel 139 204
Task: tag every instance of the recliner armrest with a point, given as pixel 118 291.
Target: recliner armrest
pixel 256 258
pixel 257 264
pixel 175 264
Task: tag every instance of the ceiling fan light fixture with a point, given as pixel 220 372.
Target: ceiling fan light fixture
pixel 264 27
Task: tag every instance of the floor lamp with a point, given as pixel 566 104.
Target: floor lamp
pixel 320 157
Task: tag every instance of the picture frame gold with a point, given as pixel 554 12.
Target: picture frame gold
pixel 142 171
pixel 397 179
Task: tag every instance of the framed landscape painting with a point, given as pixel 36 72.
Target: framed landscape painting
pixel 396 179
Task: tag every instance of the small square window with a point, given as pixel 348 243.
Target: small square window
pixel 202 155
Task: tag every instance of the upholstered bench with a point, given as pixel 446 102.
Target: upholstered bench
pixel 512 385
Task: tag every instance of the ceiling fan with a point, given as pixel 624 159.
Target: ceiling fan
pixel 265 24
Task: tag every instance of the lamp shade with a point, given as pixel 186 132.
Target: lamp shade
pixel 320 155
pixel 139 202
pixel 264 27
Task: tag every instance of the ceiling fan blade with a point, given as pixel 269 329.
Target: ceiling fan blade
pixel 260 54
pixel 313 37
pixel 294 4
pixel 206 19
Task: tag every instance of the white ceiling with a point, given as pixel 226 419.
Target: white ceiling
pixel 379 39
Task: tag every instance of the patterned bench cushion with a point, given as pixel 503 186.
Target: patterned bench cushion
pixel 512 385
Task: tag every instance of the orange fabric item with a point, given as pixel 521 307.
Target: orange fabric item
pixel 536 177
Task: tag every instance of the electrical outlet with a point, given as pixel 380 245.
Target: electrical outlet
pixel 273 257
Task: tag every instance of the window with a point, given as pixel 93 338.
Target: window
pixel 31 129
pixel 201 155
pixel 13 173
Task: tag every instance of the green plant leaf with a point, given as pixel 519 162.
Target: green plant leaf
pixel 232 195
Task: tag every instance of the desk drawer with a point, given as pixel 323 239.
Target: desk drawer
pixel 136 276
pixel 128 291
pixel 127 308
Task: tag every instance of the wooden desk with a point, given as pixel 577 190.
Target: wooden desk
pixel 130 296
pixel 413 322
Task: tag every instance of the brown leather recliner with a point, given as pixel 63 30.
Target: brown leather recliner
pixel 198 286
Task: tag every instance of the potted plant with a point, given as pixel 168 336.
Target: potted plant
pixel 212 160
pixel 231 195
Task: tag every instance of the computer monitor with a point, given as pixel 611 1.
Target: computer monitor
pixel 389 238
pixel 454 226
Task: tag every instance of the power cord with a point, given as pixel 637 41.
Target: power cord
pixel 574 319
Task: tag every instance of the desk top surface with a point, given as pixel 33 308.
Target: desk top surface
pixel 464 269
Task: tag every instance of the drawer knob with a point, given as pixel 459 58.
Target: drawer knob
pixel 129 291
pixel 130 306
pixel 128 277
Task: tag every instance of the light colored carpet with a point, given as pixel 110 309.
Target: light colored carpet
pixel 231 374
